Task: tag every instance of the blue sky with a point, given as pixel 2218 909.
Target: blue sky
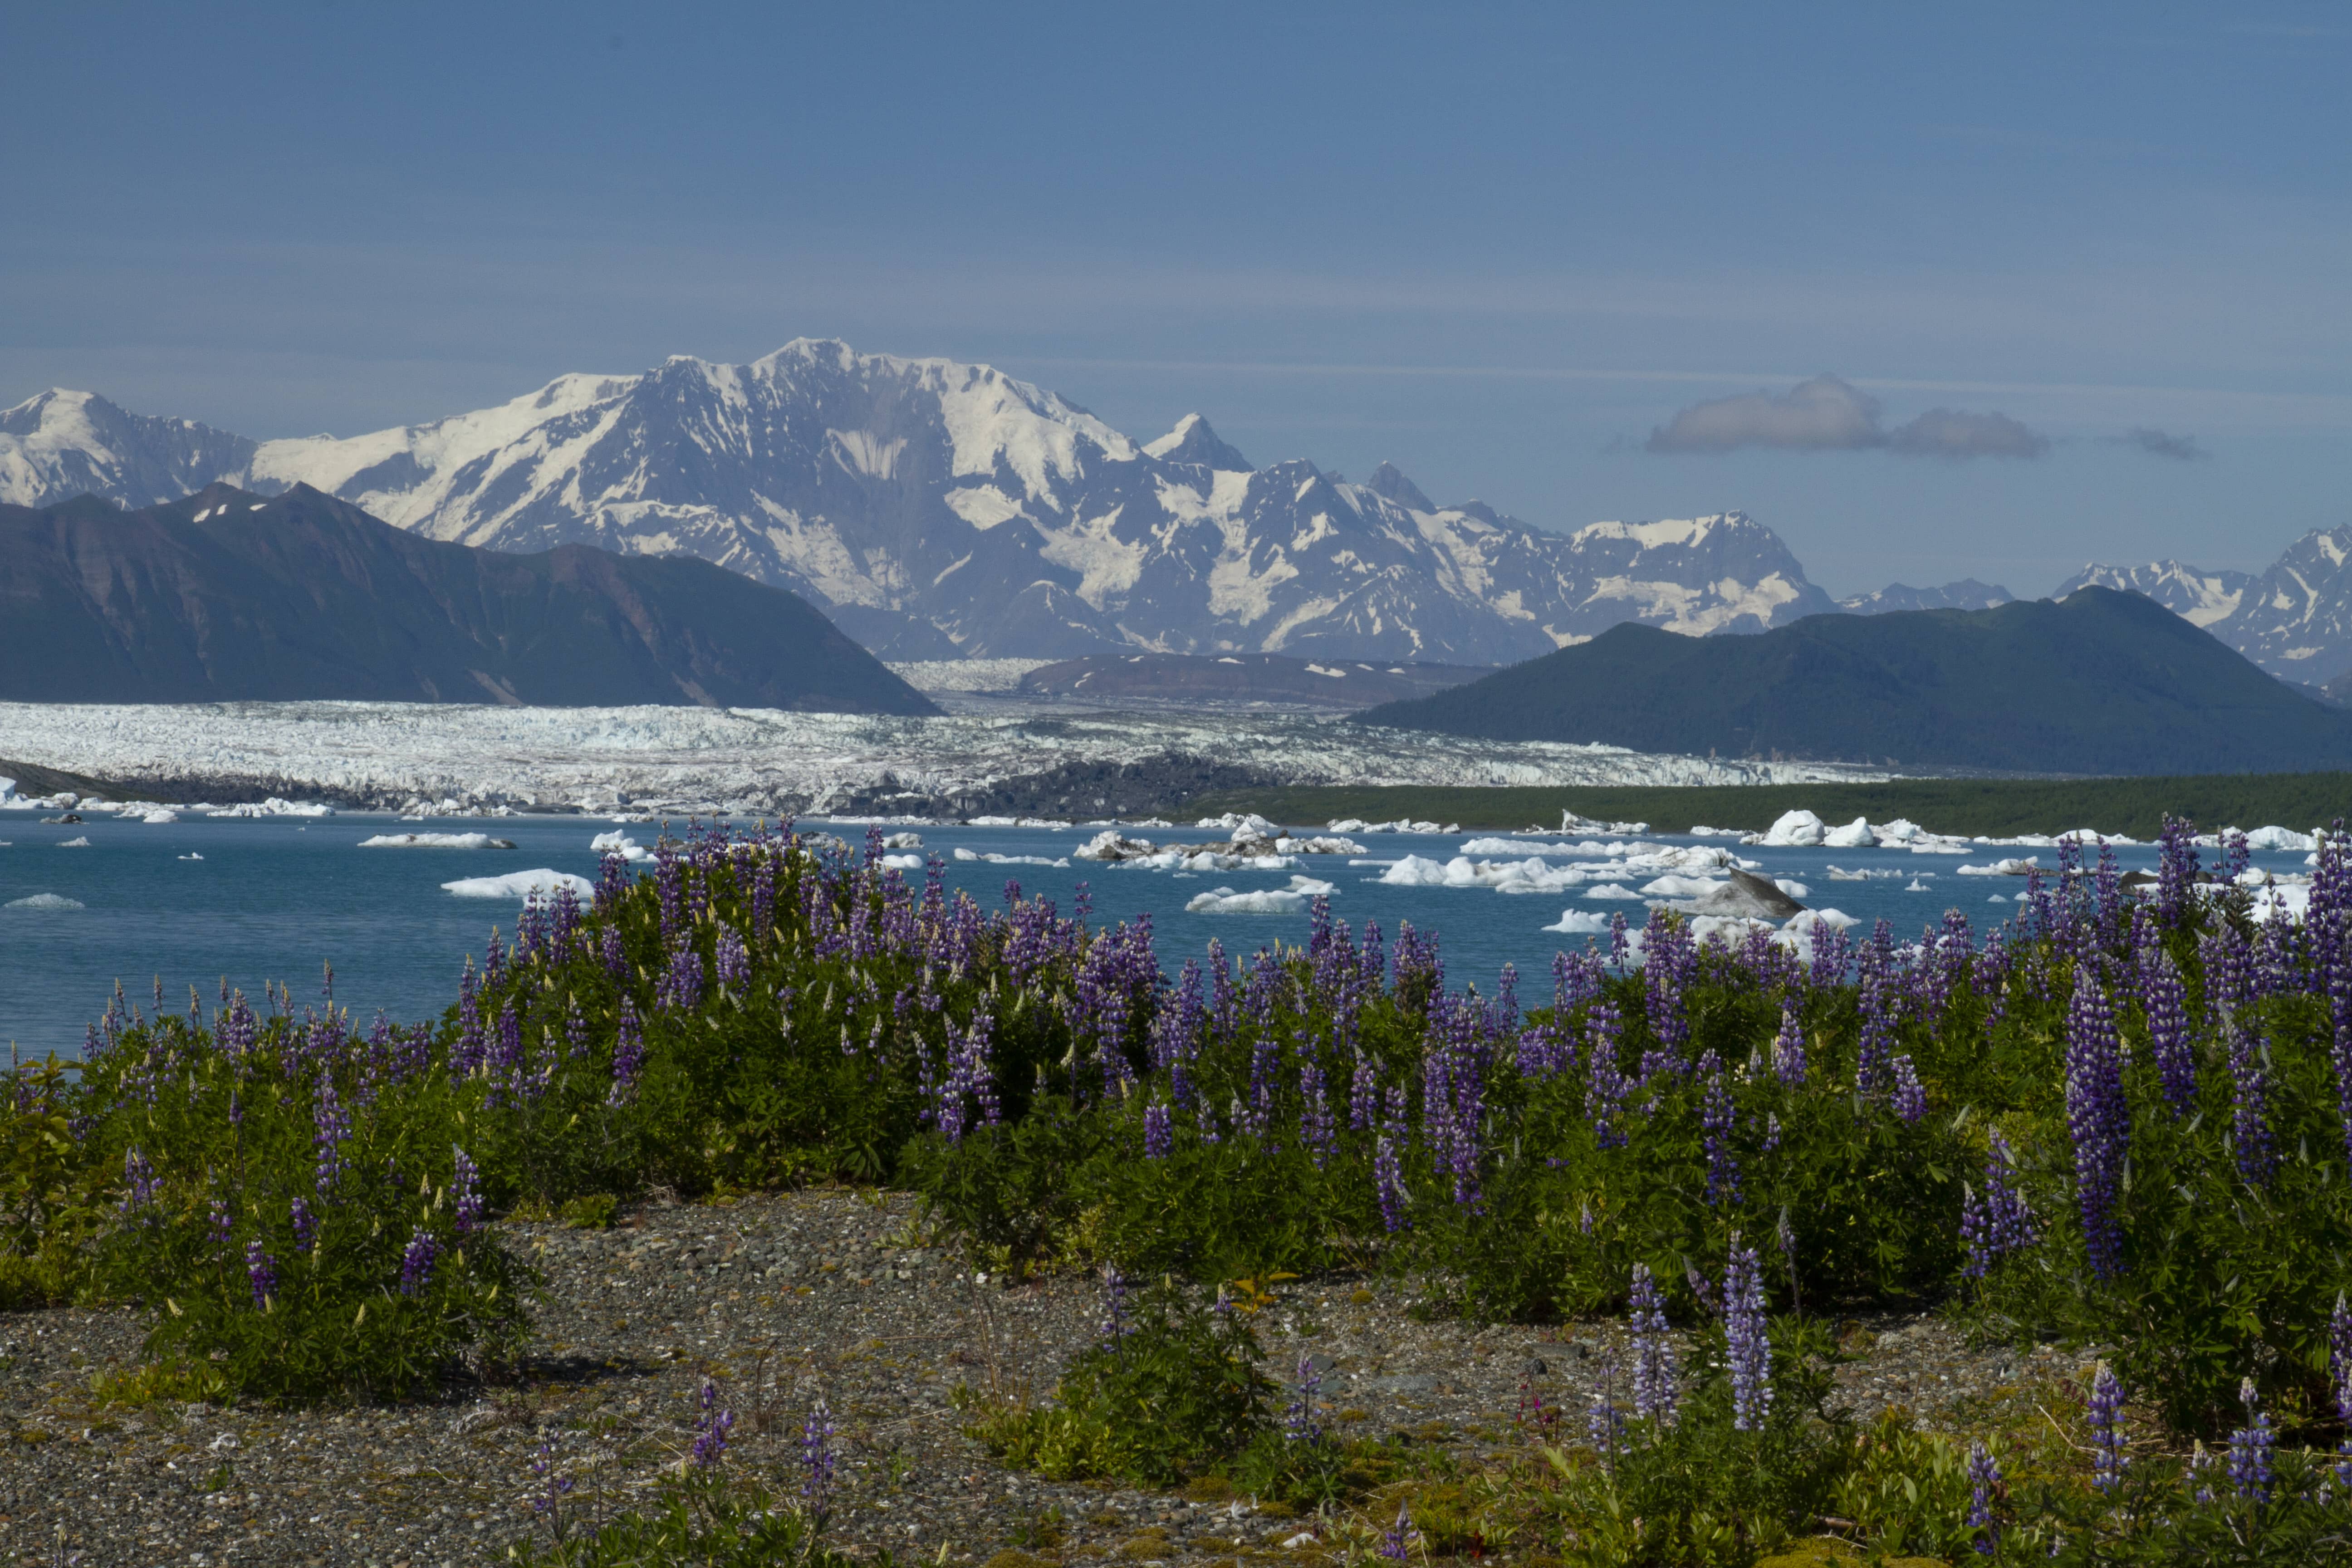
pixel 1508 247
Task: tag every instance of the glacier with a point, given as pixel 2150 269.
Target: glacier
pixel 445 758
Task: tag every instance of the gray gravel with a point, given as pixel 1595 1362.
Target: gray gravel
pixel 781 1301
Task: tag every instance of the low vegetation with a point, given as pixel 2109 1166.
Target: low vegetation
pixel 2117 1122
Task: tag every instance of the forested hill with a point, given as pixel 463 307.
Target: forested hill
pixel 2101 682
pixel 226 595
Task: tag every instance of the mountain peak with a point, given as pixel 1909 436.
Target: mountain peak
pixel 1389 483
pixel 1193 442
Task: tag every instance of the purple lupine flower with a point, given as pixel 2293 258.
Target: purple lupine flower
pixel 2164 1001
pixel 1318 1130
pixel 1717 1117
pixel 2338 981
pixel 1771 1132
pixel 218 1235
pixel 2339 1357
pixel 710 1430
pixel 1114 1325
pixel 1388 1182
pixel 2099 1120
pixel 1748 1346
pixel 1653 1359
pixel 1984 1486
pixel 1396 1543
pixel 416 1262
pixel 1605 1427
pixel 1910 1094
pixel 1789 1050
pixel 334 1127
pixel 1159 1138
pixel 2236 855
pixel 1876 1043
pixel 261 1273
pixel 466 1188
pixel 306 1225
pixel 139 1182
pixel 613 954
pixel 628 1055
pixel 1999 1222
pixel 2176 869
pixel 1299 1426
pixel 1621 941
pixel 1363 1093
pixel 553 1488
pixel 2250 1447
pixel 2105 1415
pixel 2249 1096
pixel 681 987
pixel 1605 1087
pixel 817 1466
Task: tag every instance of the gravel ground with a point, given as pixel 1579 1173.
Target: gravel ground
pixel 783 1301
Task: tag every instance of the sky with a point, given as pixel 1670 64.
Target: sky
pixel 1935 292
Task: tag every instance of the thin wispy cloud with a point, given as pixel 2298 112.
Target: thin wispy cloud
pixel 1826 414
pixel 2161 443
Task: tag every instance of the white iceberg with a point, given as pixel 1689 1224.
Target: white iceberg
pixel 159 817
pixel 903 862
pixel 75 843
pixel 44 901
pixel 620 844
pixel 1287 901
pixel 1611 890
pixel 1855 834
pixel 519 885
pixel 1580 923
pixel 428 841
pixel 1794 830
pixel 993 858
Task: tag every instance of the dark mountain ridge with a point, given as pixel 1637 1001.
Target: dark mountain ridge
pixel 226 596
pixel 2102 682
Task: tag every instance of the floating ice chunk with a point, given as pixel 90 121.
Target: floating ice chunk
pixel 1580 923
pixel 519 885
pixel 1917 886
pixel 903 862
pixel 1238 823
pixel 620 844
pixel 1681 887
pixel 1998 899
pixel 1793 888
pixel 274 806
pixel 1110 844
pixel 434 841
pixel 1855 834
pixel 194 854
pixel 2010 868
pixel 2280 900
pixel 44 901
pixel 2276 840
pixel 992 858
pixel 1226 901
pixel 1794 829
pixel 902 841
pixel 1800 930
pixel 159 817
pixel 75 843
pixel 1591 849
pixel 1611 890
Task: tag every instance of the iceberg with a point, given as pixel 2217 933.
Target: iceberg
pixel 1854 834
pixel 434 841
pixel 1287 901
pixel 1578 923
pixel 44 901
pixel 620 844
pixel 1794 830
pixel 521 885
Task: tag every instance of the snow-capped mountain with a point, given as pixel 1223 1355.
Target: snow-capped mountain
pixel 2295 619
pixel 65 444
pixel 1967 593
pixel 938 509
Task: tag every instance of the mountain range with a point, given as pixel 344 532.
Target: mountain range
pixel 2100 682
pixel 939 510
pixel 228 596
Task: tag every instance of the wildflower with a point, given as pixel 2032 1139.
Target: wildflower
pixel 2000 1222
pixel 1605 1086
pixel 333 1127
pixel 1910 1094
pixel 1115 1324
pixel 1748 1345
pixel 2250 1087
pixel 1605 1427
pixel 710 1430
pixel 2163 1000
pixel 1396 1545
pixel 553 1489
pixel 816 1465
pixel 1388 1179
pixel 628 1055
pixel 465 1185
pixel 2099 1120
pixel 1984 1486
pixel 1716 1120
pixel 261 1273
pixel 1654 1358
pixel 219 1234
pixel 1299 1424
pixel 1157 1136
pixel 2249 1448
pixel 416 1262
pixel 306 1226
pixel 139 1182
pixel 1789 1050
pixel 2106 1417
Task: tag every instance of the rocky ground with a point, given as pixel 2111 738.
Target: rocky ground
pixel 780 1301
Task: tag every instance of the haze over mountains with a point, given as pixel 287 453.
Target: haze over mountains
pixel 937 509
pixel 2101 682
pixel 226 595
